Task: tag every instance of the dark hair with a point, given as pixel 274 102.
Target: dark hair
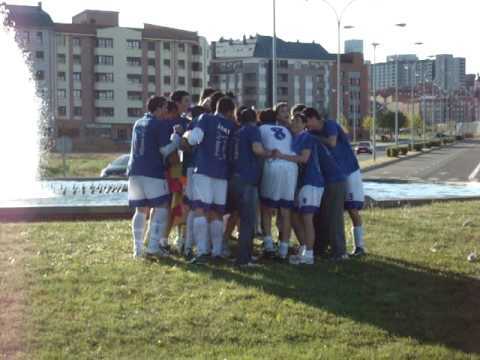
pixel 197 111
pixel 267 116
pixel 225 105
pixel 279 105
pixel 247 116
pixel 310 112
pixel 206 93
pixel 297 108
pixel 155 102
pixel 178 95
pixel 238 111
pixel 214 98
pixel 171 106
pixel 230 94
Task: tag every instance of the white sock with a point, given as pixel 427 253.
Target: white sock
pixel 268 243
pixel 358 237
pixel 308 253
pixel 302 250
pixel 158 225
pixel 138 231
pixel 283 249
pixel 189 230
pixel 216 232
pixel 200 235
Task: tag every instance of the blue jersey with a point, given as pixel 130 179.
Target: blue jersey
pixel 211 155
pixel 189 157
pixel 182 121
pixel 310 173
pixel 148 136
pixel 244 161
pixel 331 170
pixel 343 151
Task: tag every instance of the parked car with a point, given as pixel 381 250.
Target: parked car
pixel 440 135
pixel 364 147
pixel 117 167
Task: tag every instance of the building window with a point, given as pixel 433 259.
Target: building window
pixel 283 91
pixel 181 64
pixel 122 134
pixel 197 82
pixel 103 60
pixel 77 76
pixel 250 77
pixel 61 76
pixel 166 62
pixel 104 111
pixel 104 77
pixel 166 46
pixel 135 112
pixel 77 111
pixel 134 95
pixel 61 93
pixel 134 79
pixel 134 61
pixel 134 44
pixel 60 40
pixel 40 75
pixel 62 111
pixel 250 91
pixel 77 59
pixel 150 94
pixel 283 77
pixel 195 98
pixel 61 58
pixel 196 66
pixel 151 79
pixel 151 62
pixel 181 80
pixel 166 80
pixel 196 50
pixel 104 94
pixel 39 55
pixel 151 46
pixel 77 93
pixel 104 43
pixel 76 42
pixel 181 47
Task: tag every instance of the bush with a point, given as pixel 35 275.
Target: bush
pixel 418 146
pixel 403 150
pixel 393 151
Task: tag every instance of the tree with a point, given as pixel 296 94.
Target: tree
pixel 367 123
pixel 386 120
pixel 417 122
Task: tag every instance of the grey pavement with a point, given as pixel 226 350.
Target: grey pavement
pixel 457 163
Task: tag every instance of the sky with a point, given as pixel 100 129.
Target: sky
pixel 445 27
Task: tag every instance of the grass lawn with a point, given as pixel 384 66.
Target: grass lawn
pixel 414 297
pixel 78 164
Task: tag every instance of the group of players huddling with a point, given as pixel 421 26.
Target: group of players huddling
pixel 251 165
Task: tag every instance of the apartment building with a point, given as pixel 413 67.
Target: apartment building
pixel 102 74
pixel 245 68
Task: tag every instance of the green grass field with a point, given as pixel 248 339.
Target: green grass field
pixel 78 164
pixel 414 297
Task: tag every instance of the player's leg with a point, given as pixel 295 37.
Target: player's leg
pixel 137 200
pixel 247 211
pixel 267 194
pixel 189 243
pixel 353 204
pixel 287 176
pixel 337 228
pixel 219 190
pixel 202 201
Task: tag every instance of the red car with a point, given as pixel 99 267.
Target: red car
pixel 364 148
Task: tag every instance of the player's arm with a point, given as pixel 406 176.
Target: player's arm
pixel 174 143
pixel 330 141
pixel 299 159
pixel 195 137
pixel 260 151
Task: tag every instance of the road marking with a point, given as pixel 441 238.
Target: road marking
pixel 474 174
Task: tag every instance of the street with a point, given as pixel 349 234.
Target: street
pixel 457 163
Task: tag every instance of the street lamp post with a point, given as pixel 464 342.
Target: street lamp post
pixel 401 25
pixel 274 57
pixel 414 83
pixel 339 17
pixel 374 105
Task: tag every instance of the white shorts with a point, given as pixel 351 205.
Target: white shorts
pixel 144 191
pixel 355 196
pixel 279 182
pixel 309 199
pixel 209 193
pixel 188 194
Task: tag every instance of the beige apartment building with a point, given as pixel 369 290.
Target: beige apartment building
pixel 102 74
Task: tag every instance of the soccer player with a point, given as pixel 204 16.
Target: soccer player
pixel 246 150
pixel 212 137
pixel 335 138
pixel 297 109
pixel 147 187
pixel 331 209
pixel 311 184
pixel 279 181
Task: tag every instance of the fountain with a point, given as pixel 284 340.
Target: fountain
pixel 24 197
